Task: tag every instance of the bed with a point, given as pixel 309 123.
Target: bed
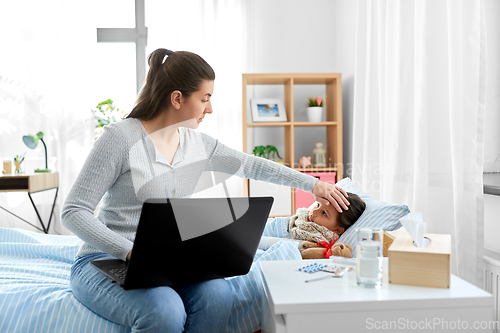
pixel 34 285
pixel 35 294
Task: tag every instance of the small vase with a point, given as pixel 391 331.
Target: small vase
pixel 18 167
pixel 315 114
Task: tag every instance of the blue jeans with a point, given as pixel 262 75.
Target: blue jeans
pixel 199 307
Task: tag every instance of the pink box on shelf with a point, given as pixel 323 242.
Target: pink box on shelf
pixel 305 199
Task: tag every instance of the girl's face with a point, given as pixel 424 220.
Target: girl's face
pixel 195 107
pixel 327 216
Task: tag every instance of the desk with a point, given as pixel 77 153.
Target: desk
pixel 290 305
pixel 31 183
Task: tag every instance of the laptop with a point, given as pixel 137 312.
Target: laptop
pixel 187 240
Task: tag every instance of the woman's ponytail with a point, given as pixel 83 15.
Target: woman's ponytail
pixel 155 59
pixel 158 57
pixel 169 71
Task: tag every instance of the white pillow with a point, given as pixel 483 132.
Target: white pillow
pixel 377 214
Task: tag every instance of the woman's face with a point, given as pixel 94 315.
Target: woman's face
pixel 327 216
pixel 195 107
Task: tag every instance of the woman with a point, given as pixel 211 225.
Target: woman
pixel 154 153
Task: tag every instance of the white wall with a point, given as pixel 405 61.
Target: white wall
pixel 298 36
pixel 492 116
pixel 492 122
pixel 345 50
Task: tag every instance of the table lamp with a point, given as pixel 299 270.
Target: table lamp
pixel 32 141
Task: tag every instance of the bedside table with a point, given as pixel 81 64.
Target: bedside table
pixel 337 304
pixel 31 183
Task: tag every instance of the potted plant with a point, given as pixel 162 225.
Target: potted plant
pixel 315 109
pixel 266 151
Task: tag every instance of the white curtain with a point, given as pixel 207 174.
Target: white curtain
pixel 47 49
pixel 418 116
pixel 215 30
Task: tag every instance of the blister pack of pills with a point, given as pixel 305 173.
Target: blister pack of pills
pixel 312 268
pixel 331 269
pixel 315 267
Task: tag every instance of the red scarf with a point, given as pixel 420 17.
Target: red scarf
pixel 327 253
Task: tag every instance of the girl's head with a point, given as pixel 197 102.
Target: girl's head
pixel 329 217
pixel 173 80
pixel 356 208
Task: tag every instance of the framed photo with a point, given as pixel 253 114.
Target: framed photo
pixel 267 109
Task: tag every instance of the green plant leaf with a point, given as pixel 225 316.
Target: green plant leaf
pixel 106 102
pixel 105 113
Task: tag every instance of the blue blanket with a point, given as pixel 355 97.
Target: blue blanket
pixel 35 294
pixel 249 292
pixel 34 286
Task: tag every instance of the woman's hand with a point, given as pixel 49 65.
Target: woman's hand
pixel 327 193
pixel 128 255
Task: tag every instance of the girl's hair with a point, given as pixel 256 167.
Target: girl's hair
pixel 356 208
pixel 181 70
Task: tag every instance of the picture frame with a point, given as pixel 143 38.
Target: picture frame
pixel 267 109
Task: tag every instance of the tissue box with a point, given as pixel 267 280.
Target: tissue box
pixel 427 266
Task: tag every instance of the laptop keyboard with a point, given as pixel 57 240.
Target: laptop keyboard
pixel 119 272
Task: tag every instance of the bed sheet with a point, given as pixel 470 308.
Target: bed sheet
pixel 35 294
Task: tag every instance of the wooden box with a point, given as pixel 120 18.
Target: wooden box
pixel 427 267
pixel 7 167
pixel 388 240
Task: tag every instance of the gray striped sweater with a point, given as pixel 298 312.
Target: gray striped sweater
pixel 124 169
